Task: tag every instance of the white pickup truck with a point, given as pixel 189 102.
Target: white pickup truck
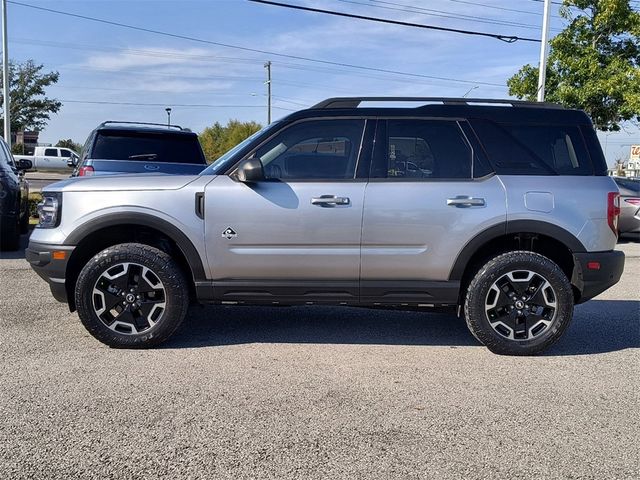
pixel 55 159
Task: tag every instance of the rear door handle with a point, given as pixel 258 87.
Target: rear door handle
pixel 464 201
pixel 330 201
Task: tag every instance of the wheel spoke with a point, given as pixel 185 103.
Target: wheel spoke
pixel 520 305
pixel 129 298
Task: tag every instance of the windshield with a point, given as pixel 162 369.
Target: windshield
pixel 228 159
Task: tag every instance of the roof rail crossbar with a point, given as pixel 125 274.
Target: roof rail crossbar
pixel 140 123
pixel 354 102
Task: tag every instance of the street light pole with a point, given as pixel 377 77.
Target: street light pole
pixel 268 82
pixel 544 50
pixel 168 110
pixel 5 77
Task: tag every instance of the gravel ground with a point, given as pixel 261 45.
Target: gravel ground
pixel 244 392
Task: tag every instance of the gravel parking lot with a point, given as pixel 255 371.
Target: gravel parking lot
pixel 304 392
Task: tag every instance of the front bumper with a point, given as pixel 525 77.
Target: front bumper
pixel 50 262
pixel 592 281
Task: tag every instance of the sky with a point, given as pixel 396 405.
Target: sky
pixel 113 73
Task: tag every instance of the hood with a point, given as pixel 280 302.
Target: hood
pixel 122 183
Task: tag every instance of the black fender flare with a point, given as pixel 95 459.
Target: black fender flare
pixel 135 218
pixel 505 228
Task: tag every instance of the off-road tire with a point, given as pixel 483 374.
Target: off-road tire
pixel 476 314
pixel 162 266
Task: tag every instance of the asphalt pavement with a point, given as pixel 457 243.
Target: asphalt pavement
pixel 316 392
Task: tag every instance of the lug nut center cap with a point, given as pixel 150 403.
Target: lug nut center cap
pixel 130 298
pixel 519 304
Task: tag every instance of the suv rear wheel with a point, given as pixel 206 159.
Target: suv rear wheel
pixel 519 303
pixel 131 295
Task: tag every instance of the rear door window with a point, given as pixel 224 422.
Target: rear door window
pixel 147 147
pixel 50 152
pixel 423 149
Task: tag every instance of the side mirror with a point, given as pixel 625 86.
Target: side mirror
pixel 23 164
pixel 73 161
pixel 250 171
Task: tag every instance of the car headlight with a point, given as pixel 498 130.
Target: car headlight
pixel 49 209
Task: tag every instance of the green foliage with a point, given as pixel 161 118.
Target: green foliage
pixel 218 139
pixel 68 143
pixel 594 63
pixel 30 108
pixel 17 148
pixel 34 199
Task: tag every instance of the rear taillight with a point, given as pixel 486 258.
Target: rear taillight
pixel 633 201
pixel 613 210
pixel 85 171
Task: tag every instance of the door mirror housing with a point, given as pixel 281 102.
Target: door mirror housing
pixel 250 171
pixel 73 161
pixel 22 164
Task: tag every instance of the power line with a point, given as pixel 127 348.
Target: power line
pixel 485 5
pixel 504 38
pixel 441 14
pixel 216 58
pixel 255 50
pixel 185 105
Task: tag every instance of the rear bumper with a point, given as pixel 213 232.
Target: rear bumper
pixel 592 281
pixel 51 268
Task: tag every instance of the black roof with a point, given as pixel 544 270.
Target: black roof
pixel 499 110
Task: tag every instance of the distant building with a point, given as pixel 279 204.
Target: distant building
pixel 28 139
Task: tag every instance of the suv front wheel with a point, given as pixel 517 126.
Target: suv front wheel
pixel 131 296
pixel 519 303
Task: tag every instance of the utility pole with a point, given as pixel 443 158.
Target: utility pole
pixel 5 76
pixel 544 49
pixel 268 82
pixel 168 110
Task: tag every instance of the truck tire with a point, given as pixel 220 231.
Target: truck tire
pixel 10 236
pixel 132 296
pixel 519 303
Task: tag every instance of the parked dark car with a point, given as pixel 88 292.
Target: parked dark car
pixel 629 220
pixel 14 198
pixel 127 147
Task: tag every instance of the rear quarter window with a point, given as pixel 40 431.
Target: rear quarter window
pixel 147 147
pixel 519 149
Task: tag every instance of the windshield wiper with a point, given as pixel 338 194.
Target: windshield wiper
pixel 150 156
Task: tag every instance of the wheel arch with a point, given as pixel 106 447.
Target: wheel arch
pixel 541 237
pixel 107 230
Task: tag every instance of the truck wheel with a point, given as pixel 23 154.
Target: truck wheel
pixel 10 236
pixel 131 296
pixel 519 303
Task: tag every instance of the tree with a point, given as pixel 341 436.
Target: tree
pixel 68 143
pixel 594 63
pixel 30 108
pixel 218 139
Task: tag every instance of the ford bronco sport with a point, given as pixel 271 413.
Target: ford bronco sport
pixel 500 208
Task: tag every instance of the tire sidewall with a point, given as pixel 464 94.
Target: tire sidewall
pixel 162 265
pixel 477 293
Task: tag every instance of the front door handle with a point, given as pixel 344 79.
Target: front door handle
pixel 330 201
pixel 464 201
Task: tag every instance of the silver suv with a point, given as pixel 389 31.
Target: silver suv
pixel 500 209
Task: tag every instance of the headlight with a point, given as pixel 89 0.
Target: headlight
pixel 49 210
